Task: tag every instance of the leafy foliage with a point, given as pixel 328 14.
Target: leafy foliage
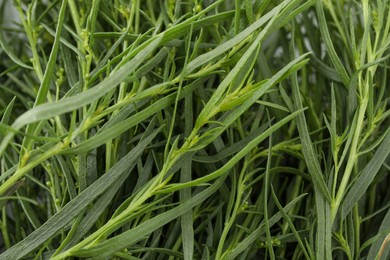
pixel 194 129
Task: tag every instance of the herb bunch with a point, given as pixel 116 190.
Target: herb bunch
pixel 195 129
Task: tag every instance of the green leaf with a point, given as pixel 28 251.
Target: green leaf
pixel 77 205
pixel 307 146
pixel 365 178
pixel 251 238
pixel 329 45
pixel 128 238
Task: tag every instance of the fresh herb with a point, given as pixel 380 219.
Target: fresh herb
pixel 197 129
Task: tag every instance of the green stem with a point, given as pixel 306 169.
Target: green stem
pixel 351 159
pixel 29 166
pixel 229 224
pixel 118 221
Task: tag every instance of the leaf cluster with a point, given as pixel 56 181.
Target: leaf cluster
pixel 194 129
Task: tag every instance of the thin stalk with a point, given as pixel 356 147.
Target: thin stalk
pixel 353 155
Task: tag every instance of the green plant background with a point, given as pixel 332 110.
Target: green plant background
pixel 156 129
